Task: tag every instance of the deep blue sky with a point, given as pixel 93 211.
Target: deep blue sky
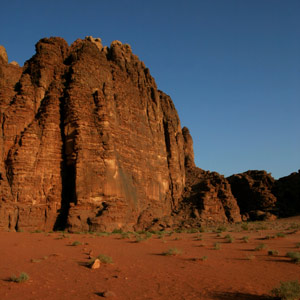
pixel 232 67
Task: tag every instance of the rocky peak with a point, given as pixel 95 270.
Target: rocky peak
pixel 188 148
pixel 3 55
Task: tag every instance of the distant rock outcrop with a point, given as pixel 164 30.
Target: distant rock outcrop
pixel 209 197
pixel 253 191
pixel 287 191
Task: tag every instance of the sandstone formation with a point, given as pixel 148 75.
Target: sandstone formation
pixel 253 191
pixel 87 140
pixel 287 191
pixel 209 198
pixel 88 143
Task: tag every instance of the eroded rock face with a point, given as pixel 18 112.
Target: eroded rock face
pixel 209 198
pixel 253 191
pixel 87 140
pixel 287 191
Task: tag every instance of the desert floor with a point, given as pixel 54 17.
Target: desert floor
pixel 57 263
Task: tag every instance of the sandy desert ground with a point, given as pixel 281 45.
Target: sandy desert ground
pixel 57 263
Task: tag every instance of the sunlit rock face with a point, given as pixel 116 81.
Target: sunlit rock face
pixel 87 140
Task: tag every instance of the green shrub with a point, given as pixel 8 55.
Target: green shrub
pixel 217 246
pixel 280 235
pixel 102 233
pixel 103 259
pixel 245 226
pixel 117 230
pixel 229 238
pixel 22 278
pixel 125 235
pixel 203 258
pixel 260 247
pixel 245 239
pixel 76 243
pixel 192 230
pixel 298 245
pixel 273 252
pixel 294 256
pixel 172 252
pixel 222 228
pixel 289 290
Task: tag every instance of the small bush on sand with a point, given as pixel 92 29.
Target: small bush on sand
pixel 245 226
pixel 260 247
pixel 217 246
pixel 289 290
pixel 245 239
pixel 298 245
pixel 273 252
pixel 294 256
pixel 221 228
pixel 280 235
pixel 103 259
pixel 172 252
pixel 229 238
pixel 76 243
pixel 22 278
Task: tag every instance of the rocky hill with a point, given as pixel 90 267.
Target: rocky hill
pixel 88 143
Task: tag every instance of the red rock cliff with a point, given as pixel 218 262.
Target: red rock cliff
pixel 87 140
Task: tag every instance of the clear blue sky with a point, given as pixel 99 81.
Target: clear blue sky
pixel 232 67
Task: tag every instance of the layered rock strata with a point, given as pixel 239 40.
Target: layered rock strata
pixel 87 140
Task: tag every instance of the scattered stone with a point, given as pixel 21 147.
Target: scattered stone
pixel 108 294
pixel 96 264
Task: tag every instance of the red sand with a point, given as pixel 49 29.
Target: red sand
pixel 58 270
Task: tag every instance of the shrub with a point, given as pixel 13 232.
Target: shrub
pixel 103 259
pixel 229 238
pixel 192 230
pixel 76 243
pixel 125 235
pixel 298 245
pixel 280 235
pixel 245 226
pixel 221 228
pixel 260 247
pixel 269 237
pixel 22 278
pixel 245 239
pixel 217 246
pixel 273 252
pixel 117 230
pixel 289 290
pixel 203 258
pixel 294 256
pixel 202 229
pixel 102 234
pixel 144 236
pixel 172 252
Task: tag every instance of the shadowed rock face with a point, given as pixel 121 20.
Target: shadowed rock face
pixel 253 191
pixel 87 140
pixel 208 197
pixel 287 191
